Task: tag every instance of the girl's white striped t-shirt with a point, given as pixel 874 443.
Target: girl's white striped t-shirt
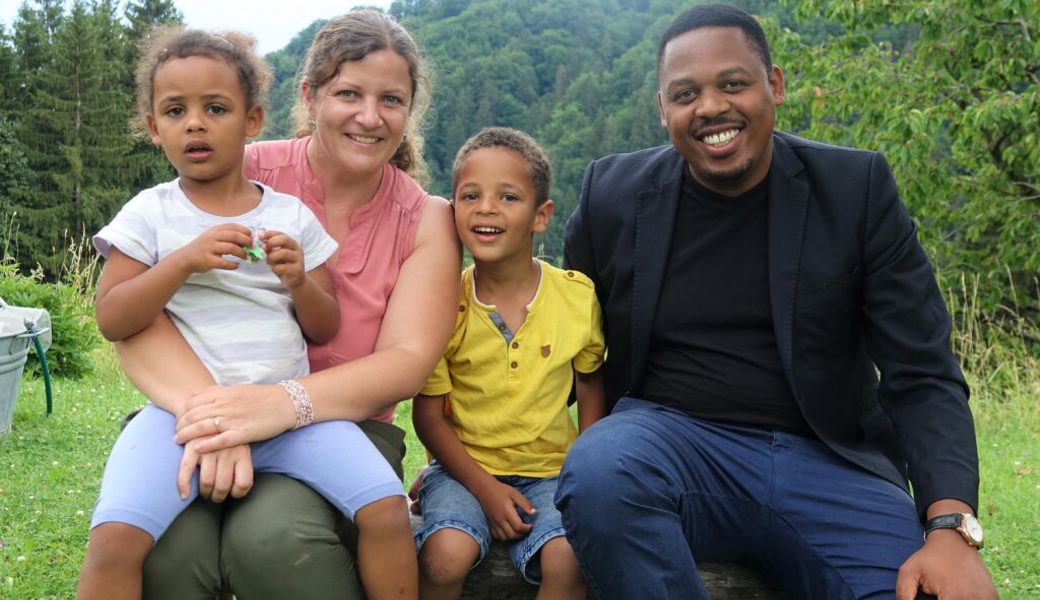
pixel 239 322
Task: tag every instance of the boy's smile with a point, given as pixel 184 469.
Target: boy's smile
pixel 496 209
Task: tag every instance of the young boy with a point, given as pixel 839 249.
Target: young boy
pixel 494 413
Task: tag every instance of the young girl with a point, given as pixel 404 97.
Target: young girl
pixel 232 262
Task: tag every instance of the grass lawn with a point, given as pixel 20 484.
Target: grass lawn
pixel 50 470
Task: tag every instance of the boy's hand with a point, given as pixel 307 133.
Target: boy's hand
pixel 208 250
pixel 499 503
pixel 285 257
pixel 413 491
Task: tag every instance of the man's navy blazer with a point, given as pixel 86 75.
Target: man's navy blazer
pixel 852 294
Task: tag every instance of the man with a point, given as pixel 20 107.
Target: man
pixel 753 283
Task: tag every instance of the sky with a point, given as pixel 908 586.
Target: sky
pixel 272 22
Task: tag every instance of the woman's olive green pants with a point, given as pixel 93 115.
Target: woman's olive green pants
pixel 282 540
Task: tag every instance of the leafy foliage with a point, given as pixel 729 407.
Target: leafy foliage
pixel 73 330
pixel 949 91
pixel 955 109
pixel 73 71
pixel 16 179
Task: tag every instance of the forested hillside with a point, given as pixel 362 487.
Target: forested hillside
pixel 578 75
pixel 948 90
pixel 67 159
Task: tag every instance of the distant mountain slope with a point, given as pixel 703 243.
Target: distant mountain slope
pixel 578 75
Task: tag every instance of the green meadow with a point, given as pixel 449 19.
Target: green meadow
pixel 50 469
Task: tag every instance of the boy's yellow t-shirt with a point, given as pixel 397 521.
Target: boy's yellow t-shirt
pixel 508 397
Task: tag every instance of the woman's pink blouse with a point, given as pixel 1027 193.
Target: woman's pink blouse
pixel 365 268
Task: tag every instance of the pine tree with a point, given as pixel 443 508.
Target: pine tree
pixel 33 36
pixel 32 39
pixel 142 16
pixel 75 133
pixel 16 179
pixel 9 79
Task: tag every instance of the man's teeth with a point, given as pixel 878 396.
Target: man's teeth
pixel 365 139
pixel 487 230
pixel 718 139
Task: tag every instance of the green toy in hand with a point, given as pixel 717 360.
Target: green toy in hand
pixel 255 253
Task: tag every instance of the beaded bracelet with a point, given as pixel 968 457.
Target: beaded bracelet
pixel 301 401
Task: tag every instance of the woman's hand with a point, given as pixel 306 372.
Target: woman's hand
pixel 223 417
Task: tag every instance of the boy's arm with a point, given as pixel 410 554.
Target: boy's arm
pixel 317 310
pixel 592 402
pixel 498 500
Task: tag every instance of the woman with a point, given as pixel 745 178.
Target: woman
pixel 363 94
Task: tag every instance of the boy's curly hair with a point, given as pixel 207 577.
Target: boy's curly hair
pixel 539 168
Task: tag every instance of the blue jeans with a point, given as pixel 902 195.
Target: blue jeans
pixel 649 491
pixel 447 503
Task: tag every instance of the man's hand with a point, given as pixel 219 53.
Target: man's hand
pixel 499 503
pixel 946 567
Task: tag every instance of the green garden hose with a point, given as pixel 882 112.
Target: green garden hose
pixel 30 328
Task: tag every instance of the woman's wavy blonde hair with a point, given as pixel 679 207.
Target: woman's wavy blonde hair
pixel 351 37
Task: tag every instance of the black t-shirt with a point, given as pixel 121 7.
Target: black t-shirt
pixel 713 351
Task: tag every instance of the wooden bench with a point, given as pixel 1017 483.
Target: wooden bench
pixel 495 578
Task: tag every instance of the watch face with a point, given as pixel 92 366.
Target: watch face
pixel 972 528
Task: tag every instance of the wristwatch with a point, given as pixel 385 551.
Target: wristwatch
pixel 965 523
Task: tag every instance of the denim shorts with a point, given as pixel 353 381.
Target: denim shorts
pixel 447 503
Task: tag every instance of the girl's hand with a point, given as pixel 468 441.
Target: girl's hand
pixel 499 503
pixel 220 473
pixel 207 251
pixel 232 416
pixel 226 472
pixel 285 257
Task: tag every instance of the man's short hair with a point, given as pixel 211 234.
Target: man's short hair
pixel 718 15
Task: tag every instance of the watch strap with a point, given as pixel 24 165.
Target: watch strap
pixel 950 521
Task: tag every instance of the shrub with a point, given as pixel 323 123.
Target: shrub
pixel 73 329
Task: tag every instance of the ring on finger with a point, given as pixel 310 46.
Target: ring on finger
pixel 216 423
